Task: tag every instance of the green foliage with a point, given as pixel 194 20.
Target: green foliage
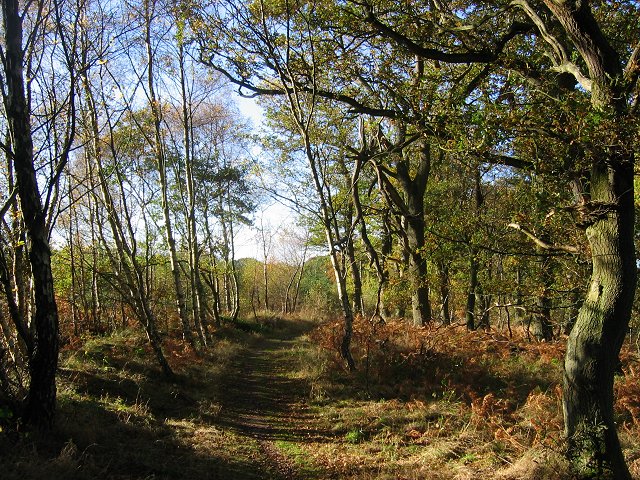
pixel 354 436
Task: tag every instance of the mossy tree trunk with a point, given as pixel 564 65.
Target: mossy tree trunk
pixel 597 336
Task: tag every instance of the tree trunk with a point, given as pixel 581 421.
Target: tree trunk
pixel 214 284
pixel 542 327
pixel 445 292
pixel 374 258
pixel 470 312
pixel 234 273
pixel 520 310
pixel 125 259
pixel 265 271
pixel 43 361
pixel 597 336
pixel 286 301
pixel 294 304
pixel 72 265
pixel 92 204
pixel 414 191
pixel 484 301
pixel 161 163
pixel 356 278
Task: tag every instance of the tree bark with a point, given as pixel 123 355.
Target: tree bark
pixel 234 273
pixel 125 260
pixel 597 336
pixel 445 291
pixel 161 162
pixel 470 312
pixel 542 327
pixel 43 362
pixel 294 304
pixel 414 190
pixel 356 278
pixel 200 306
pixel 265 265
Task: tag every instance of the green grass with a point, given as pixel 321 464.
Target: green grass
pixel 303 461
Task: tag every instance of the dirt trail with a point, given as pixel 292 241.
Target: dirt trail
pixel 264 401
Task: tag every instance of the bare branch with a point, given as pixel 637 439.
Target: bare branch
pixel 632 70
pixel 559 55
pixel 542 244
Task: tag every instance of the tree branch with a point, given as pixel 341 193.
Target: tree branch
pixel 542 244
pixel 559 56
pixel 506 160
pixel 478 56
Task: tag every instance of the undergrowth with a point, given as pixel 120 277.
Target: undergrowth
pixel 436 402
pixel 118 418
pixel 441 402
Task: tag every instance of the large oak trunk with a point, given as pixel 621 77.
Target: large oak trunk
pixel 414 190
pixel 596 338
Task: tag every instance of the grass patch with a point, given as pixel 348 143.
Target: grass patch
pixel 119 418
pixel 293 451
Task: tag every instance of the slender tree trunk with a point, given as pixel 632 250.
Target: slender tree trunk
pixel 542 328
pixel 360 219
pixel 96 303
pixel 484 301
pixel 213 277
pixel 519 308
pixel 92 204
pixel 43 361
pixel 265 265
pixel 356 278
pixel 161 162
pixel 226 281
pixel 294 305
pixel 474 265
pixel 470 312
pixel 20 263
pixel 72 264
pixel 234 273
pixel 286 301
pixel 445 292
pixel 125 259
pixel 303 122
pixel 200 307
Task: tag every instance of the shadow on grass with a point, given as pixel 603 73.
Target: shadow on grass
pixel 92 442
pixel 261 400
pixel 118 418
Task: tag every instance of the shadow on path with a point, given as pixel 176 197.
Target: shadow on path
pixel 263 400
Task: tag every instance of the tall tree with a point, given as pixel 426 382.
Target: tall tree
pixel 149 14
pixel 43 355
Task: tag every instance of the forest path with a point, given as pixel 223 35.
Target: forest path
pixel 264 400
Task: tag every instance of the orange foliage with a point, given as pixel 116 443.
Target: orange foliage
pixel 511 386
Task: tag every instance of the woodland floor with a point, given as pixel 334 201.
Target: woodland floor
pixel 267 403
